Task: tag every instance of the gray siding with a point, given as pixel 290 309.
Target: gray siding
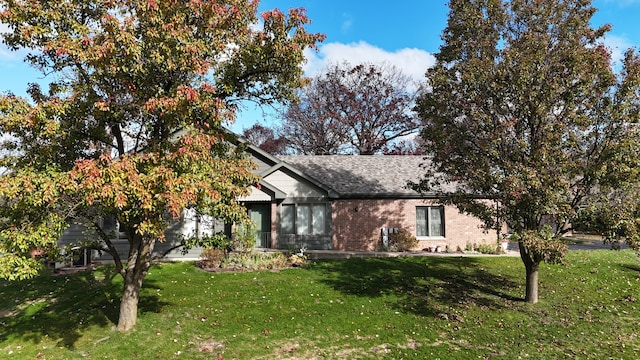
pixel 263 165
pixel 75 232
pixel 188 225
pixel 294 187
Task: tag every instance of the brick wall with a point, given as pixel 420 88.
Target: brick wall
pixel 357 224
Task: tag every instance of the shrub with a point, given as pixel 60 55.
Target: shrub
pixel 216 248
pixel 402 241
pixel 469 247
pixel 212 258
pixel 298 259
pixel 485 248
pixel 244 237
pixel 216 241
pixel 255 261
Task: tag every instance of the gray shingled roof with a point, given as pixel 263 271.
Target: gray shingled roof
pixel 362 175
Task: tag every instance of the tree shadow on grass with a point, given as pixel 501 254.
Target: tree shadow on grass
pixel 422 285
pixel 61 308
pixel 631 267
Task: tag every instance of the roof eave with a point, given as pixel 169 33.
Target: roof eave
pixel 384 195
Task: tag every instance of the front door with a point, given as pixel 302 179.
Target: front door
pixel 260 214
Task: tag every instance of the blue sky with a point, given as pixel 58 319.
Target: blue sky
pixel 403 32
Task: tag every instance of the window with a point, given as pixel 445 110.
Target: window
pixel 304 219
pixel 430 221
pixel 113 228
pixel 288 219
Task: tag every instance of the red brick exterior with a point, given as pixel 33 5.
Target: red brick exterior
pixel 357 224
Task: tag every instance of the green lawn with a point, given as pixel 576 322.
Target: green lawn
pixel 395 308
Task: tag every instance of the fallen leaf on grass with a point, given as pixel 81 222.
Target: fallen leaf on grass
pixel 210 345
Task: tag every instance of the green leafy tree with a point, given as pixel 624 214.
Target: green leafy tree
pixel 132 125
pixel 527 116
pixel 616 213
pixel 616 217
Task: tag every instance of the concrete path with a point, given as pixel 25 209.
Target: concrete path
pixel 512 250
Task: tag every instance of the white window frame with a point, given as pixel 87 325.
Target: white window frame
pixel 427 220
pixel 312 227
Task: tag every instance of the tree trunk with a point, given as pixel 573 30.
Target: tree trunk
pixel 532 284
pixel 129 302
pixel 531 267
pixel 137 265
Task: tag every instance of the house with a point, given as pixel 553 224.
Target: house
pixel 334 202
pixel 349 202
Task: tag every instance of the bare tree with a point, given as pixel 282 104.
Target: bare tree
pixel 265 138
pixel 357 109
pixel 411 146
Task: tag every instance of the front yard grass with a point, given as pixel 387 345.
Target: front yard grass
pixel 365 308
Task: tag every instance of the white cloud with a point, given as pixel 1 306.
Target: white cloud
pixel 412 62
pixel 346 23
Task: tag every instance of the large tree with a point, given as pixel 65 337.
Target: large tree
pixel 358 109
pixel 265 138
pixel 526 114
pixel 132 125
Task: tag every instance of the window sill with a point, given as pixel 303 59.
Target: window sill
pixel 425 238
